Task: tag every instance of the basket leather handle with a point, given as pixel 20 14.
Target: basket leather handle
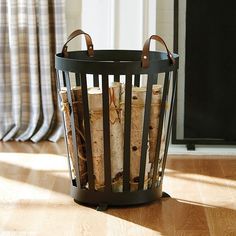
pixel 146 48
pixel 75 34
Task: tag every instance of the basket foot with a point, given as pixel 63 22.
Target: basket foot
pixel 165 195
pixel 102 207
pixel 190 147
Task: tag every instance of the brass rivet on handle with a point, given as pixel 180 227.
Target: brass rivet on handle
pixel 145 57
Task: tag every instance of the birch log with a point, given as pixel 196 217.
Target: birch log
pixel 76 100
pixel 137 118
pixel 96 129
pixel 163 142
pixel 79 129
pixel 153 127
pixel 154 120
pixel 116 137
pixel 66 113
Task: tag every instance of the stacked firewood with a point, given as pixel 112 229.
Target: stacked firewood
pixel 117 113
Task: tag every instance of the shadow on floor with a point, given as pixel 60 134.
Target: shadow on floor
pixel 171 216
pixel 213 166
pixel 46 179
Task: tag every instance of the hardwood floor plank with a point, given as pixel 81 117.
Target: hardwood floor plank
pixel 229 174
pixel 189 213
pixel 215 191
pixel 192 233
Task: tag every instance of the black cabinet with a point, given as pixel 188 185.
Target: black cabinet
pixel 209 73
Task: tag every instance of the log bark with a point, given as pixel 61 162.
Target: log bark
pixel 116 137
pixel 153 127
pixel 154 120
pixel 96 129
pixel 79 129
pixel 78 117
pixel 66 113
pixel 137 118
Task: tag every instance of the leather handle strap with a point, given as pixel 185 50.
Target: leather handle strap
pixel 75 34
pixel 146 48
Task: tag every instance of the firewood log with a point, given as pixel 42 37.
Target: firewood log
pixel 66 113
pixel 77 109
pixel 96 129
pixel 137 119
pixel 79 127
pixel 116 137
pixel 154 128
pixel 154 120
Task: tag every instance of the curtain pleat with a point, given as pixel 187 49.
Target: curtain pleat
pixel 33 70
pixel 31 32
pixel 60 38
pixel 45 70
pixel 3 69
pixel 14 67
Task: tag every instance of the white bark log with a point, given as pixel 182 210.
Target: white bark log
pixel 66 113
pixel 79 128
pixel 96 129
pixel 137 119
pixel 154 120
pixel 154 127
pixel 78 119
pixel 116 137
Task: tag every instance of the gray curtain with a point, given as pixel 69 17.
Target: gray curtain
pixel 31 32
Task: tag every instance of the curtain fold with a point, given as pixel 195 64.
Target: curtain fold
pixel 31 32
pixel 33 83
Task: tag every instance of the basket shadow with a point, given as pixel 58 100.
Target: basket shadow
pixel 171 216
pixel 208 166
pixel 46 179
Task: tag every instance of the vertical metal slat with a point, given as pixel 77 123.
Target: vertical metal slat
pixel 155 79
pixel 116 78
pixel 72 121
pixel 145 132
pixel 64 125
pixel 64 78
pixel 77 79
pixel 95 80
pixel 169 125
pixel 160 127
pixel 137 80
pixel 127 131
pixel 106 133
pixel 88 146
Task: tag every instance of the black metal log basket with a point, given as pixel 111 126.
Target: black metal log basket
pixel 134 68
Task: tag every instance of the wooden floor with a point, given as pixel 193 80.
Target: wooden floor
pixel 34 197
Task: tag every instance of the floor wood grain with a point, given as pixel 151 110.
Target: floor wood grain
pixel 35 186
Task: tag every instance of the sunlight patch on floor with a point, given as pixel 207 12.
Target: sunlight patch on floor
pixel 36 161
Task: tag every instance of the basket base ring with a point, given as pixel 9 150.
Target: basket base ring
pixel 104 199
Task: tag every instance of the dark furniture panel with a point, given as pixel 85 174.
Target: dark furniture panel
pixel 210 65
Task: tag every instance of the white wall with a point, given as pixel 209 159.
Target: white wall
pixel 165 18
pixel 73 20
pixel 121 24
